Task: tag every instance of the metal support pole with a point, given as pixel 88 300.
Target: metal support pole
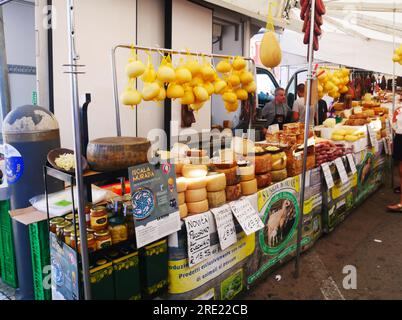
pixel 77 148
pixel 393 97
pixel 306 132
pixel 4 82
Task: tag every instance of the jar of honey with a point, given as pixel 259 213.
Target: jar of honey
pixel 70 218
pixel 91 241
pixel 67 235
pixel 53 223
pixel 103 239
pixel 118 229
pixel 99 218
pixel 61 226
pixel 74 238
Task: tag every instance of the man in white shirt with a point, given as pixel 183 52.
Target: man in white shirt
pixel 299 108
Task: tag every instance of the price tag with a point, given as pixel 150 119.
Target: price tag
pixel 327 175
pixel 246 216
pixel 351 163
pixel 373 138
pixel 225 225
pixel 198 239
pixel 341 170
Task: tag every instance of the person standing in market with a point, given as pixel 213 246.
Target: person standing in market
pixel 299 107
pixel 397 152
pixel 277 111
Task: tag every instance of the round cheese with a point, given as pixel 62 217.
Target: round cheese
pixel 249 187
pixel 216 199
pixel 179 163
pixel 278 161
pixel 196 183
pixel 183 211
pixel 231 175
pixel 181 184
pixel 247 177
pixel 216 182
pixel 246 173
pixel 263 180
pixel 194 171
pixel 233 192
pixel 263 163
pixel 279 175
pixel 196 195
pixel 197 207
pixel 181 197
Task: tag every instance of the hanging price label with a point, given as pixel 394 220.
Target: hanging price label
pixel 225 225
pixel 373 138
pixel 246 216
pixel 341 170
pixel 351 163
pixel 327 175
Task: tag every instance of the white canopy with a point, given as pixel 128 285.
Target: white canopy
pixel 355 33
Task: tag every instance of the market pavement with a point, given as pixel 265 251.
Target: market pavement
pixel 370 239
pixel 6 293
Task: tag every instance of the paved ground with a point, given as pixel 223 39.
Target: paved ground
pixel 369 239
pixel 6 293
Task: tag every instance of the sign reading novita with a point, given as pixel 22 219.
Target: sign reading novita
pixel 154 200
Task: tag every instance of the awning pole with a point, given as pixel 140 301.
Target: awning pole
pixel 306 133
pixel 393 94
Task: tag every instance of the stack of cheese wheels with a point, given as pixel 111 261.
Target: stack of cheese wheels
pixel 179 163
pixel 196 193
pixel 216 185
pixel 232 180
pixel 181 186
pixel 263 166
pixel 279 172
pixel 248 181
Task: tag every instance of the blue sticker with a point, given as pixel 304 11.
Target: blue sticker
pixel 143 203
pixel 14 164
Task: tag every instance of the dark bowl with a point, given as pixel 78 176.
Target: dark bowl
pixel 55 153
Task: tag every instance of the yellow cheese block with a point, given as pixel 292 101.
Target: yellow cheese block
pixel 196 183
pixel 351 138
pixel 249 187
pixel 216 182
pixel 183 211
pixel 181 184
pixel 196 195
pixel 197 207
pixel 216 199
pixel 233 192
pixel 182 198
pixel 194 171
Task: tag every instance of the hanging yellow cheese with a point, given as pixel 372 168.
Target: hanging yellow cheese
pixel 231 107
pixel 270 50
pixel 197 207
pixel 224 66
pixel 208 73
pixel 183 75
pixel 134 68
pixel 229 97
pixel 239 63
pixel 150 91
pixel 217 198
pixel 220 86
pixel 242 94
pixel 175 91
pixel 201 94
pixel 246 77
pixel 209 87
pixel 251 87
pixel 188 97
pixel 234 80
pixel 131 97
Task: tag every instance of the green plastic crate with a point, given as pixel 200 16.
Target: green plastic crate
pixel 40 252
pixel 8 264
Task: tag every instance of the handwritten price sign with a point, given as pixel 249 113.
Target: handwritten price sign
pixel 198 239
pixel 246 216
pixel 225 225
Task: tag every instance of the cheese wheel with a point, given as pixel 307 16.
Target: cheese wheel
pixel 263 163
pixel 181 197
pixel 196 195
pixel 181 184
pixel 279 175
pixel 216 182
pixel 278 161
pixel 200 160
pixel 247 177
pixel 231 175
pixel 233 192
pixel 197 207
pixel 249 187
pixel 194 171
pixel 183 211
pixel 197 183
pixel 263 180
pixel 217 198
pixel 246 173
pixel 179 163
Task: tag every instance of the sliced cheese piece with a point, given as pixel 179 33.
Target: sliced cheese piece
pixel 181 184
pixel 249 187
pixel 217 199
pixel 181 197
pixel 196 183
pixel 194 171
pixel 279 175
pixel 231 175
pixel 233 192
pixel 196 195
pixel 216 182
pixel 183 211
pixel 263 180
pixel 197 207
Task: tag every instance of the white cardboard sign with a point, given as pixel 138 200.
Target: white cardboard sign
pixel 198 239
pixel 327 175
pixel 225 226
pixel 246 216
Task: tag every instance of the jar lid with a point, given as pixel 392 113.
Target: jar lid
pixel 63 224
pixel 90 237
pixel 102 233
pixel 69 229
pixel 115 221
pixel 98 209
pixel 101 262
pixel 90 230
pixel 56 220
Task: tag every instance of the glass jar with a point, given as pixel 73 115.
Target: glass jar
pixel 103 239
pixel 70 218
pixel 87 211
pixel 61 226
pixel 91 243
pixel 54 222
pixel 118 230
pixel 67 235
pixel 74 238
pixel 99 218
pixel 129 219
pixel 90 231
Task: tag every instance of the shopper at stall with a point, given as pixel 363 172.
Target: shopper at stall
pixel 277 111
pixel 299 107
pixel 397 151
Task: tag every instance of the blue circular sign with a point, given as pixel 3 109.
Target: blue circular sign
pixel 143 203
pixel 14 164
